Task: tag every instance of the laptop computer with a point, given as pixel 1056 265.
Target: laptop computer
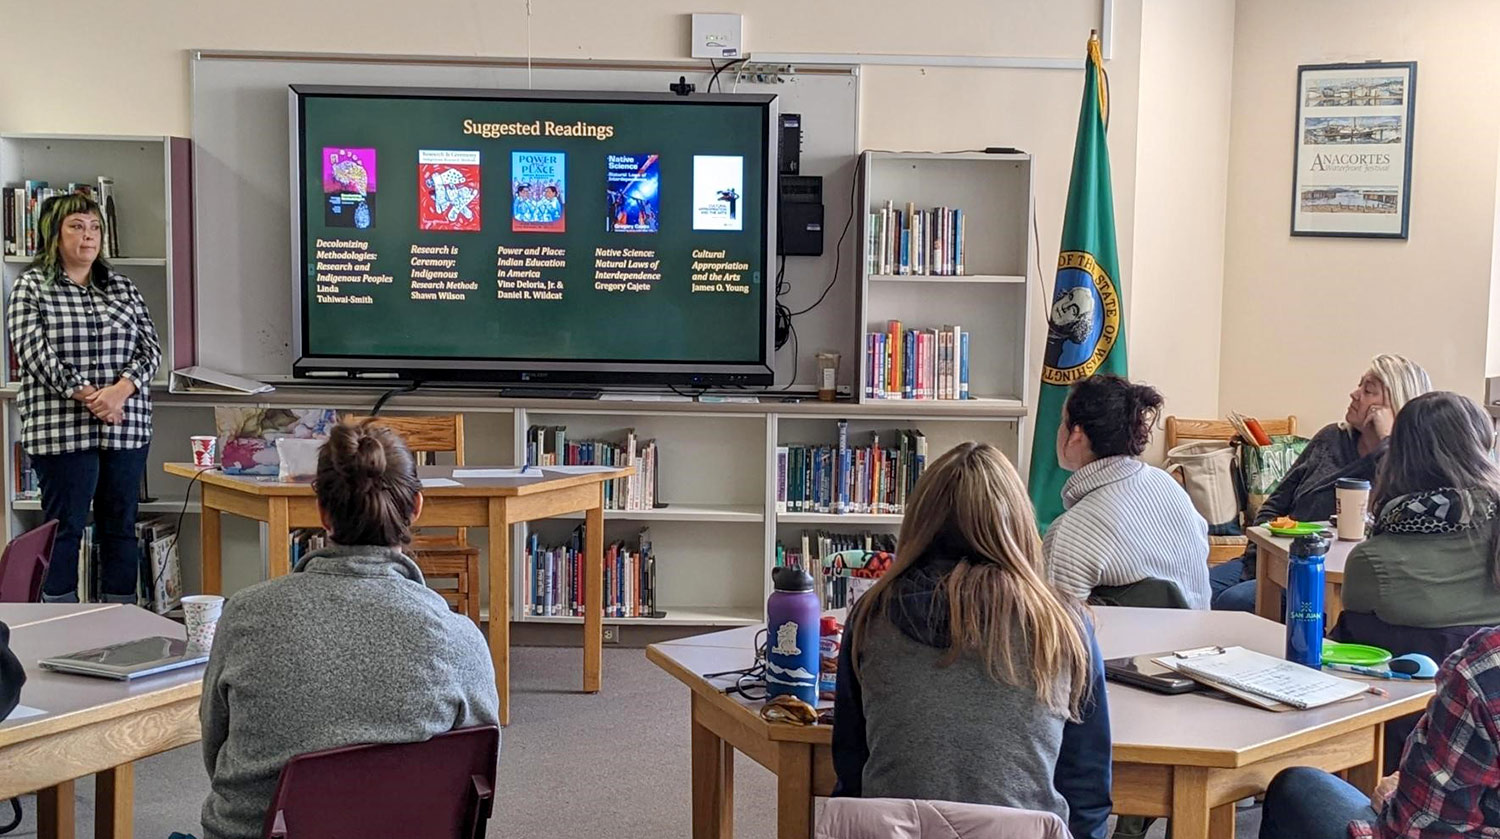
pixel 129 659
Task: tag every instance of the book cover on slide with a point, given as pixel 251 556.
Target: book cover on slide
pixel 632 193
pixel 448 190
pixel 349 187
pixel 718 190
pixel 538 188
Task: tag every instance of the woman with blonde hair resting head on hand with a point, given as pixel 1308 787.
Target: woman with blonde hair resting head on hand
pixel 964 676
pixel 1349 449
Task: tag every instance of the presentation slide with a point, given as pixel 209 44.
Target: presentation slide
pixel 525 229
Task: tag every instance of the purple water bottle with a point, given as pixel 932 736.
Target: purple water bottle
pixel 1304 600
pixel 792 636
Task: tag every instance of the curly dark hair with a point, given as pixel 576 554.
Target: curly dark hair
pixel 1116 414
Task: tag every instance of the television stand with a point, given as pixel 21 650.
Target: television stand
pixel 549 393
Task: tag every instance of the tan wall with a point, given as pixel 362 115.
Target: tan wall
pixel 1302 316
pixel 1182 168
pixel 130 74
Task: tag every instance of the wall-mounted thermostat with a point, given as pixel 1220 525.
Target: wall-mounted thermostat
pixel 717 35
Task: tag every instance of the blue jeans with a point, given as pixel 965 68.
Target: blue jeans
pixel 1230 593
pixel 111 480
pixel 1305 803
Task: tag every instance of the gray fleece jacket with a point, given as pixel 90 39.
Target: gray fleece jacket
pixel 350 648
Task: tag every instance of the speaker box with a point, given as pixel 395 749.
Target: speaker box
pixel 799 228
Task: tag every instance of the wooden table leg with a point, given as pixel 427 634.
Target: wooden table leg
pixel 593 587
pixel 114 803
pixel 794 798
pixel 1221 822
pixel 278 539
pixel 1366 776
pixel 55 812
pixel 1267 592
pixel 1333 603
pixel 713 781
pixel 210 546
pixel 1191 818
pixel 499 529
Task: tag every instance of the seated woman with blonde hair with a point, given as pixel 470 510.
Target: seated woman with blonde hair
pixel 964 676
pixel 350 648
pixel 1349 449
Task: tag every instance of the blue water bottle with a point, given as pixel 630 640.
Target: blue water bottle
pixel 792 636
pixel 1304 600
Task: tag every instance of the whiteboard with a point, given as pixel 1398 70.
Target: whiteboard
pixel 242 201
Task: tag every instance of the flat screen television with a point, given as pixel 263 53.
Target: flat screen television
pixel 532 236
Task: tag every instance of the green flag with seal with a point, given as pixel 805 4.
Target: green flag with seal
pixel 1086 321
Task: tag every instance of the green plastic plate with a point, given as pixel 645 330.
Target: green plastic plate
pixel 1358 655
pixel 1302 529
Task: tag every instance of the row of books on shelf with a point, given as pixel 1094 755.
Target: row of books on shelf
pixel 837 587
pixel 554 578
pixel 903 363
pixel 159 578
pixel 24 480
pixel 304 542
pixel 23 212
pixel 548 445
pixel 844 479
pixel 913 241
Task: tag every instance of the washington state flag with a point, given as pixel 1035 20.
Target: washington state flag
pixel 1086 321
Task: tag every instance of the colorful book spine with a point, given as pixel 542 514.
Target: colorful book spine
pixel 917 364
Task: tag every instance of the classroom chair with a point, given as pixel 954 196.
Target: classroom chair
pixel 884 818
pixel 443 788
pixel 1149 593
pixel 443 557
pixel 24 564
pixel 1180 430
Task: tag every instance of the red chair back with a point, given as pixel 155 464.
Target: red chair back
pixel 23 566
pixel 443 788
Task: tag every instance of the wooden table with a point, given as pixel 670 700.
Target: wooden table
pixel 1188 758
pixel 91 726
pixel 1271 560
pixel 494 503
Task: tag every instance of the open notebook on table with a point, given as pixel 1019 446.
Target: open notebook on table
pixel 1261 679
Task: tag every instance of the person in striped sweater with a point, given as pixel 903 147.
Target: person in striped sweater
pixel 1124 521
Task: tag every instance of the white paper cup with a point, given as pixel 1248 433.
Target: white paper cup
pixel 202 612
pixel 204 450
pixel 1352 500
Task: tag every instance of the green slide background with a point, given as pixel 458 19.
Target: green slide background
pixel 668 323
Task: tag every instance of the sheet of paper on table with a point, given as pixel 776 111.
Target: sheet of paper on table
pixel 577 470
pixel 506 472
pixel 430 483
pixel 24 712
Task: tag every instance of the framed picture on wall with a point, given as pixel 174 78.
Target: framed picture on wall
pixel 1352 171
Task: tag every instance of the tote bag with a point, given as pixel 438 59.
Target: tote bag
pixel 1206 468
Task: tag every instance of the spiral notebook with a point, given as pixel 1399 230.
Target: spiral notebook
pixel 1252 675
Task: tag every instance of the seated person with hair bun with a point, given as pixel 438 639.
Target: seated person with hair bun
pixel 1124 521
pixel 350 648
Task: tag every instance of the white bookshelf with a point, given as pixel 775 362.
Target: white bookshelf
pixel 992 298
pixel 153 200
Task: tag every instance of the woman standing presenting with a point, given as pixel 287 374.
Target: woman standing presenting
pixel 87 351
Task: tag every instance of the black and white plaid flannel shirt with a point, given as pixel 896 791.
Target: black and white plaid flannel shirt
pixel 65 337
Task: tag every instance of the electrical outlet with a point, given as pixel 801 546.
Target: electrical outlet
pixel 611 634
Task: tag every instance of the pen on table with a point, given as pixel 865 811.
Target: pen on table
pixel 1367 671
